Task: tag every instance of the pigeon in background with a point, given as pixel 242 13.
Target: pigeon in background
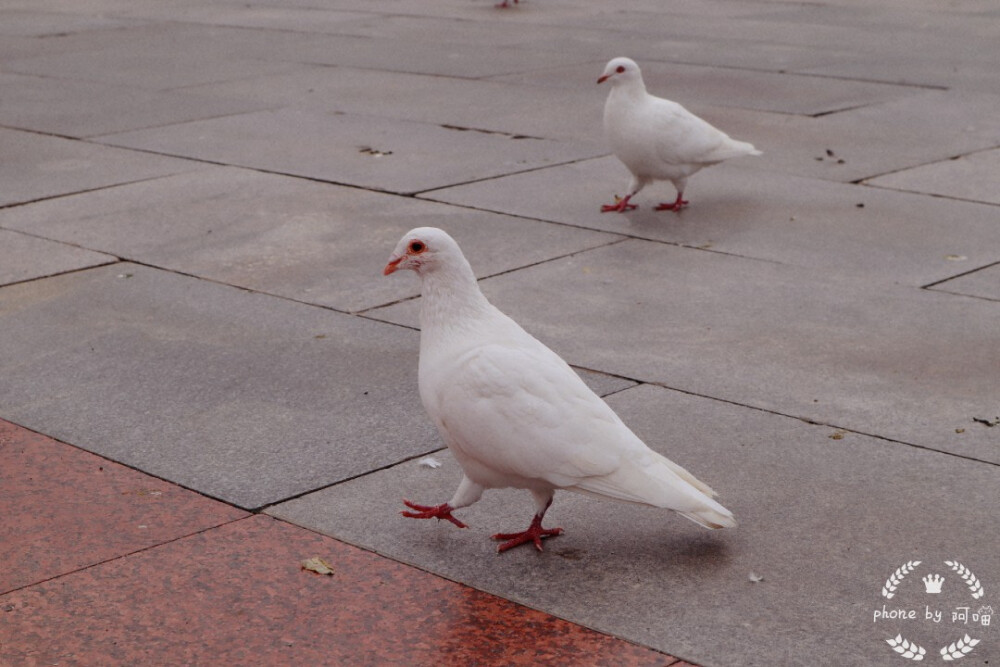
pixel 658 140
pixel 514 414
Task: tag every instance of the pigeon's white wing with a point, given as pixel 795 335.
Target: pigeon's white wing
pixel 682 138
pixel 522 411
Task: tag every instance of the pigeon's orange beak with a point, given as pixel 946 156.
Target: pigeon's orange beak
pixel 392 265
pixel 604 78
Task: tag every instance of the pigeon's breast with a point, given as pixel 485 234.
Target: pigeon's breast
pixel 635 134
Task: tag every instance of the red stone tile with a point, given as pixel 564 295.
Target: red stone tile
pixel 62 508
pixel 236 595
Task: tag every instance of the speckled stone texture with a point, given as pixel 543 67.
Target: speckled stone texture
pixel 237 595
pixel 64 509
pixel 196 203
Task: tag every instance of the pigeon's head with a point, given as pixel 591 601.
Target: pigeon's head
pixel 421 250
pixel 621 70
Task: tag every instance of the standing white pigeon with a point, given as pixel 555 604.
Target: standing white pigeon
pixel 516 415
pixel 658 139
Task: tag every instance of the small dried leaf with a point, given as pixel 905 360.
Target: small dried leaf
pixel 754 577
pixel 317 565
pixel 429 462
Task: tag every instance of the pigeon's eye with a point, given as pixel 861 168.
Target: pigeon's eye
pixel 416 247
pixel 621 68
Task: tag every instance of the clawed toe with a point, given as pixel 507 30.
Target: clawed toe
pixel 620 206
pixel 442 511
pixel 534 534
pixel 617 208
pixel 675 205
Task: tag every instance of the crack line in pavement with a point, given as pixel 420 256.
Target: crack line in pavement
pixel 130 553
pixel 959 275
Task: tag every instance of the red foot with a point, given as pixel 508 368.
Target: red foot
pixel 535 533
pixel 442 511
pixel 677 205
pixel 620 206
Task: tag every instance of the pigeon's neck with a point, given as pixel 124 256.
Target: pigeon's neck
pixel 451 299
pixel 633 91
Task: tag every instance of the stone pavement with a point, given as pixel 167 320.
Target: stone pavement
pixel 206 379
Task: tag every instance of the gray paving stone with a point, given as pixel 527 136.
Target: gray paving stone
pixel 972 71
pixel 32 23
pixel 147 69
pixel 983 283
pixel 37 166
pixel 972 177
pixel 213 43
pixel 594 30
pixel 872 140
pixel 469 26
pixel 555 10
pixel 740 209
pixel 24 257
pixel 824 521
pixel 14 46
pixel 244 397
pixel 78 109
pixel 116 7
pixel 299 239
pixel 767 41
pixel 557 113
pixel 737 53
pixel 897 362
pixel 427 57
pixel 928 47
pixel 763 91
pixel 353 149
pixel 260 16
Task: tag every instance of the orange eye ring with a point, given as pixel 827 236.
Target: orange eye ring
pixel 416 247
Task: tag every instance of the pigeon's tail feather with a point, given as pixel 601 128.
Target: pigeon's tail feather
pixel 661 483
pixel 688 477
pixel 732 148
pixel 710 518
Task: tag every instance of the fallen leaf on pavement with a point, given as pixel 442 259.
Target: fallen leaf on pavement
pixel 317 565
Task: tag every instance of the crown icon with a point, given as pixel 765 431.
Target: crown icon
pixel 933 583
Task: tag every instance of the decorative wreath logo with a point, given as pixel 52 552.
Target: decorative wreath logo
pixel 911 650
pixel 907 649
pixel 896 578
pixel 958 649
pixel 970 579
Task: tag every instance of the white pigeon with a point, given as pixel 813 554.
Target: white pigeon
pixel 514 414
pixel 658 140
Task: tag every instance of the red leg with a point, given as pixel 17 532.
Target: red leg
pixel 442 511
pixel 620 206
pixel 677 205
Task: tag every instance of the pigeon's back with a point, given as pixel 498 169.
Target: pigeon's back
pixel 683 138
